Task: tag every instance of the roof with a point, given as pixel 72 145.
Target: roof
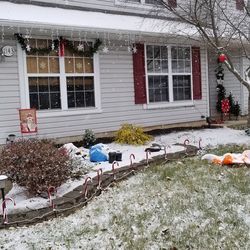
pixel 24 15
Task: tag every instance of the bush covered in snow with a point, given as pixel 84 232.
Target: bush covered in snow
pixel 131 134
pixel 35 164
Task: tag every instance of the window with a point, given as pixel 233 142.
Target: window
pixel 49 76
pixel 168 73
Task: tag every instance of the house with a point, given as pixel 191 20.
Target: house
pixel 146 71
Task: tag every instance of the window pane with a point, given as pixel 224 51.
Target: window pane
pixel 89 83
pixel 54 64
pixel 164 64
pixel 157 66
pixel 150 53
pixel 69 65
pixel 164 52
pixel 43 84
pixel 33 85
pixel 158 88
pixel 44 92
pixel 80 92
pixel 182 88
pixel 79 68
pixel 43 65
pixel 90 99
pixel 88 64
pixel 31 64
pixel 150 65
pixel 181 59
pixel 157 52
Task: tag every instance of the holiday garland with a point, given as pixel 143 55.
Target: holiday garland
pixel 55 46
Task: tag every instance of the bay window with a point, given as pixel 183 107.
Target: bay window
pixel 168 73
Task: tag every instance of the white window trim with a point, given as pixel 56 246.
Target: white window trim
pixel 64 111
pixel 171 103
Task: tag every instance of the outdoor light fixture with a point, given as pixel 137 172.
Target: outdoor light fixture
pixel 11 138
pixel 3 183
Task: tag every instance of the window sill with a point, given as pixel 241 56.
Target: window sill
pixel 137 5
pixel 69 112
pixel 166 105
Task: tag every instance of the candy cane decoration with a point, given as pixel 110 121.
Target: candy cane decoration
pixel 113 168
pixel 5 217
pixel 51 190
pixel 165 150
pixel 85 187
pixel 131 157
pixel 99 177
pixel 200 143
pixel 147 156
pixel 186 142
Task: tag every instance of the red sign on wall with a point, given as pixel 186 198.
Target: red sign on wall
pixel 28 121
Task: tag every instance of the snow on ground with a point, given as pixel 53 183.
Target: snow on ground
pixel 209 138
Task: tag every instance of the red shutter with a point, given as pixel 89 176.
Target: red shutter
pixel 172 3
pixel 196 71
pixel 139 75
pixel 240 4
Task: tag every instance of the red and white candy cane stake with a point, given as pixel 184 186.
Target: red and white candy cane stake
pixel 85 187
pixel 147 156
pixel 200 143
pixel 113 168
pixel 186 142
pixel 5 217
pixel 51 190
pixel 165 150
pixel 99 177
pixel 131 157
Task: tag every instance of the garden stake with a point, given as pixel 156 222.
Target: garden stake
pixel 200 144
pixel 99 177
pixel 85 187
pixel 147 153
pixel 113 168
pixel 5 217
pixel 132 156
pixel 51 190
pixel 186 142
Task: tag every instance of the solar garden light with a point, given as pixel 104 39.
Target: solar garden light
pixel 3 183
pixel 11 138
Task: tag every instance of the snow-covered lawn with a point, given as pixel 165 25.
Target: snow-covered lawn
pixel 183 204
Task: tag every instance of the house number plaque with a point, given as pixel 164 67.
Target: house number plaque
pixel 8 51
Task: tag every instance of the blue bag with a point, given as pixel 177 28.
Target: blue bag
pixel 97 153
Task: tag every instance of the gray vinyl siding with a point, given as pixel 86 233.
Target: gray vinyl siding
pixel 9 95
pixel 117 102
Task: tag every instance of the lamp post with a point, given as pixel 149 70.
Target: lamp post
pixel 3 182
pixel 11 138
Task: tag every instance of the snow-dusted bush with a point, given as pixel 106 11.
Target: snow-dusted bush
pixel 35 164
pixel 131 134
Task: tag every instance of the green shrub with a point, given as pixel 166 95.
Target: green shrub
pixel 35 164
pixel 88 138
pixel 130 134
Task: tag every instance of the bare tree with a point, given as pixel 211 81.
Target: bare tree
pixel 220 26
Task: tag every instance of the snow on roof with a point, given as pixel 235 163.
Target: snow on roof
pixel 24 15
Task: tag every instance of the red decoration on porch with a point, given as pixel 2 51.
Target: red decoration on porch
pixel 222 58
pixel 61 48
pixel 225 107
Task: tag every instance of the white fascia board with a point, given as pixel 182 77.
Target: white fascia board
pixel 24 15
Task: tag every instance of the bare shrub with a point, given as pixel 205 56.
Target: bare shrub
pixel 35 164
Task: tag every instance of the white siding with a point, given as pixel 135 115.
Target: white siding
pixel 117 101
pixel 9 95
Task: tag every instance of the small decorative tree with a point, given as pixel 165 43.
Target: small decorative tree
pixel 88 138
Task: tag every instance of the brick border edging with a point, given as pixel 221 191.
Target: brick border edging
pixel 72 201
